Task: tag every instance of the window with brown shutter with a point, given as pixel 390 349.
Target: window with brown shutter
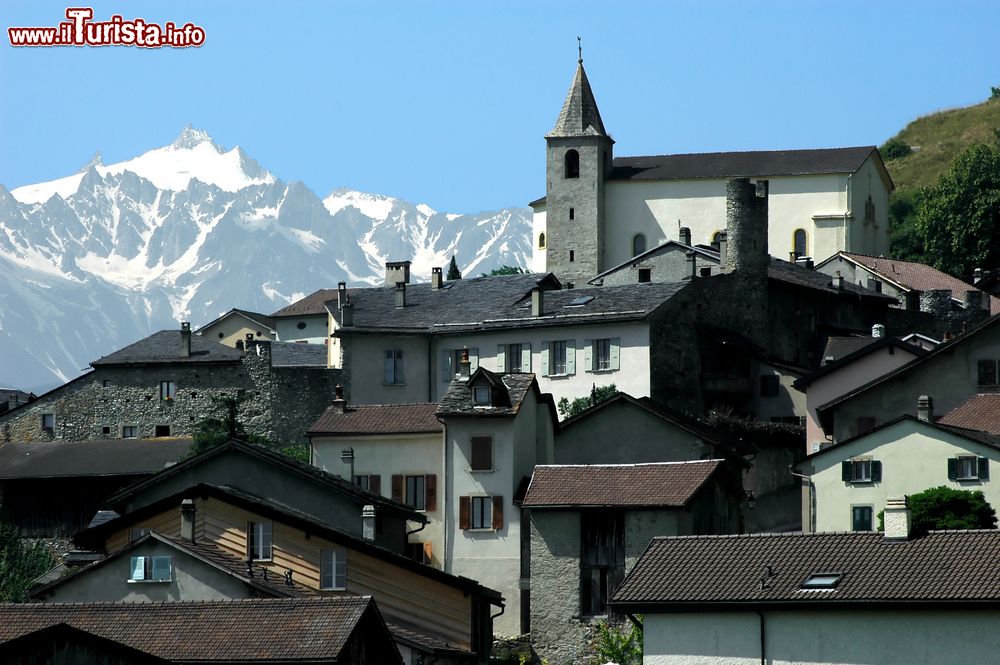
pixel 464 512
pixel 430 483
pixel 397 488
pixel 481 458
pixel 498 512
pixel 375 484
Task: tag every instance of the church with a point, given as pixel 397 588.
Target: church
pixel 599 210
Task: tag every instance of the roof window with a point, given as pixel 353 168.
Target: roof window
pixel 580 301
pixel 820 581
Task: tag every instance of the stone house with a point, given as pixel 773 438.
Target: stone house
pixel 952 372
pixel 600 210
pixel 164 384
pixel 850 481
pixel 590 524
pixel 347 630
pixel 11 399
pixel 236 324
pixel 830 598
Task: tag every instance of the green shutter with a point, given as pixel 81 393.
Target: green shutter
pixel 615 352
pixel 588 355
pixel 845 471
pixel 544 369
pixel 571 356
pixel 446 371
pixel 953 468
pixel 984 468
pixel 876 471
pixel 501 358
pixel 473 359
pixel 525 357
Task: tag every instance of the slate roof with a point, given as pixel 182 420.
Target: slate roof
pixel 498 303
pixel 379 419
pixel 750 164
pixel 261 319
pixel 706 252
pixel 90 458
pixel 314 303
pixel 457 401
pixel 664 484
pixel 863 346
pixel 838 347
pixel 703 571
pixel 291 354
pixel 164 348
pixel 917 276
pixel 579 115
pixel 259 629
pixel 980 412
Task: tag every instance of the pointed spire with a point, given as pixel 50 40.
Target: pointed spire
pixel 579 50
pixel 579 115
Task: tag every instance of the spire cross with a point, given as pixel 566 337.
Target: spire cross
pixel 579 49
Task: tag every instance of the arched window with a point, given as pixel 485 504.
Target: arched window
pixel 716 240
pixel 799 243
pixel 638 244
pixel 572 164
pixel 541 241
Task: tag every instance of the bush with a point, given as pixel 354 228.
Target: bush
pixel 894 149
pixel 621 644
pixel 21 561
pixel 944 508
pixel 568 409
pixel 994 92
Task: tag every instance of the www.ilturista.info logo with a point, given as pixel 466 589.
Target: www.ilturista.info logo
pixel 79 30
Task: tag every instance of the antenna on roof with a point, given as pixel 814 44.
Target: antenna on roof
pixel 579 50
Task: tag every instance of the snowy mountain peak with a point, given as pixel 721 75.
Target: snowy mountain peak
pixel 190 137
pixel 375 206
pixel 96 160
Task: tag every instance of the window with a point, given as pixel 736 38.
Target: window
pixel 481 453
pixel 301 325
pixel 861 518
pixel 48 422
pixel 541 241
pixel 482 512
pixel 105 431
pixel 393 367
pixel 572 213
pixel 130 432
pixel 861 471
pixel 769 384
pixel 150 569
pixel 645 275
pixel 370 482
pixel 416 492
pixel 451 362
pixel 799 243
pixel 222 335
pixel 514 358
pixel 572 255
pixel 601 355
pixel 419 552
pixel 333 568
pixel 705 272
pixel 638 244
pixel 167 390
pixel 572 164
pixel 602 558
pixel 106 383
pixel 482 396
pixel 968 467
pixel 822 581
pixel 717 240
pixel 259 541
pixel 987 372
pixel 558 359
pixel 162 430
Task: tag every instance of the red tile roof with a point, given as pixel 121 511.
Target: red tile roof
pixel 271 629
pixel 980 412
pixel 919 276
pixel 670 484
pixel 379 419
pixel 314 303
pixel 698 570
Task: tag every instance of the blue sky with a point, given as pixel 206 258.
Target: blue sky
pixel 447 102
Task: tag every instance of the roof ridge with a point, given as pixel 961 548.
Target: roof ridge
pixel 745 152
pixel 633 464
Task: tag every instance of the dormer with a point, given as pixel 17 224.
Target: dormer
pixel 487 390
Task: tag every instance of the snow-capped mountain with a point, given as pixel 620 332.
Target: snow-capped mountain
pixel 93 261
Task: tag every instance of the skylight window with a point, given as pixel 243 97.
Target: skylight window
pixel 822 581
pixel 580 301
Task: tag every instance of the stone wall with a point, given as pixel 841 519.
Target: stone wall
pixel 667 265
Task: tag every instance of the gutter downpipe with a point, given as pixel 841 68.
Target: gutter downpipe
pixel 849 212
pixel 812 498
pixel 763 639
pixel 446 512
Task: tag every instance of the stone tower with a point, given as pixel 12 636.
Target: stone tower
pixel 746 257
pixel 577 162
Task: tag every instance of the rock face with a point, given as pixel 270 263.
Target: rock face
pixel 96 260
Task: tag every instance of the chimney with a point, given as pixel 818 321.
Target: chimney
pixel 805 262
pixel 368 522
pixel 185 339
pixel 897 518
pixel 464 366
pixel 239 345
pixel 341 294
pixel 537 302
pixel 977 275
pixel 838 281
pixel 692 264
pixel 793 257
pixel 400 294
pixel 878 331
pixel 436 278
pixel 396 272
pixel 347 315
pixel 187 519
pixel 973 299
pixel 249 341
pixel 925 408
pixel 339 403
pixel 723 249
pixel 685 236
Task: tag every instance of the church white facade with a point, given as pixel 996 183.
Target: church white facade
pixel 821 201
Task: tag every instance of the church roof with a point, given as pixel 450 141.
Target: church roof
pixel 579 115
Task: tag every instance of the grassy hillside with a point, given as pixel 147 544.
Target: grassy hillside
pixel 937 138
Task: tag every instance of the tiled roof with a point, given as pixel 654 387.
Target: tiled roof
pixel 918 276
pixel 259 629
pixel 501 302
pixel 457 401
pixel 838 347
pixel 314 303
pixel 696 570
pixel 90 458
pixel 291 354
pixel 980 412
pixel 670 484
pixel 759 163
pixel 379 419
pixel 165 347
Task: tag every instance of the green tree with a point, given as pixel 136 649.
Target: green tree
pixel 568 409
pixel 905 240
pixel 212 432
pixel 942 508
pixel 959 218
pixel 453 272
pixel 620 643
pixel 21 561
pixel 894 149
pixel 994 92
pixel 503 270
